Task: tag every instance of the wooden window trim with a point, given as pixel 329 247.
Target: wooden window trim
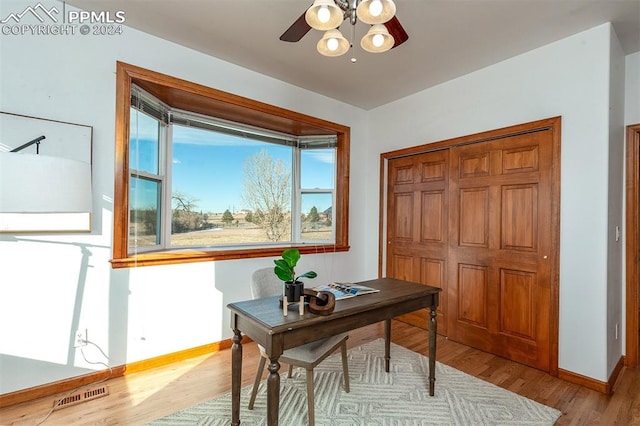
pixel 194 97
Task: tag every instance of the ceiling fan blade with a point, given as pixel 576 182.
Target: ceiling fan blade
pixel 397 31
pixel 296 31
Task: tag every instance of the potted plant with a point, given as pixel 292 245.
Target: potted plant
pixel 285 270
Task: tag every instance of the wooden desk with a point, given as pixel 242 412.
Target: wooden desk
pixel 262 321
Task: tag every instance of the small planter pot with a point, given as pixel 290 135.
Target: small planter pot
pixel 293 290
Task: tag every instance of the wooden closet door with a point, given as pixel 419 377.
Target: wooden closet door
pixel 417 226
pixel 500 199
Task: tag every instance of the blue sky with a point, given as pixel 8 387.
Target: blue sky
pixel 208 166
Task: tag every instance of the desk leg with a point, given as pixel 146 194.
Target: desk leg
pixel 236 376
pixel 273 392
pixel 387 344
pixel 432 349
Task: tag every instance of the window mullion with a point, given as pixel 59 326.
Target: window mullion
pixel 316 190
pixel 296 208
pixel 334 196
pixel 166 156
pixel 146 175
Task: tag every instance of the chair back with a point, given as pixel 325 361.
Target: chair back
pixel 265 283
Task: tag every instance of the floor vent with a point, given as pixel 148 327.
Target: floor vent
pixel 81 396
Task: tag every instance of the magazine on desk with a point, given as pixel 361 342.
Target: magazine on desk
pixel 346 290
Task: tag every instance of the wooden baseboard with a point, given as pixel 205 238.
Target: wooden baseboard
pixel 614 375
pixel 591 383
pixel 72 383
pixel 166 359
pixel 60 386
pixel 66 385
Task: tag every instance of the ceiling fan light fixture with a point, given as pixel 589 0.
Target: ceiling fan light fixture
pixel 333 43
pixel 375 11
pixel 377 39
pixel 324 15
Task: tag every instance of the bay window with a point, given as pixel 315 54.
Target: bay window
pixel 204 175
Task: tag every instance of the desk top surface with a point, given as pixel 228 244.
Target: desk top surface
pixel 266 311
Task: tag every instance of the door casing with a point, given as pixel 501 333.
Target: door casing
pixel 632 245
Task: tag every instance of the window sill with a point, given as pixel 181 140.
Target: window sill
pixel 175 257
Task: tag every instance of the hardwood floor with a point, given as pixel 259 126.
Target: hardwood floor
pixel 141 397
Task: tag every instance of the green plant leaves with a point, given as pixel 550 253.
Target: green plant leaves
pixel 285 266
pixel 310 274
pixel 291 256
pixel 283 270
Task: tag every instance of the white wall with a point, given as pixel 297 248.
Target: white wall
pixel 615 247
pixel 568 78
pixel 632 89
pixel 51 285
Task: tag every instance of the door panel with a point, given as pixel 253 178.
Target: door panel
pixel 404 216
pixel 519 217
pixel 474 217
pixel 516 310
pixel 474 164
pixel 500 234
pixel 472 295
pixel 418 225
pixel 432 216
pixel 404 267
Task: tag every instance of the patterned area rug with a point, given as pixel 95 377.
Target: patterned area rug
pixel 400 397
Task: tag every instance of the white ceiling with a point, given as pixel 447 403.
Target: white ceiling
pixel 447 38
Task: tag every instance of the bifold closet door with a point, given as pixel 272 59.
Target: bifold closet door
pixel 499 275
pixel 417 226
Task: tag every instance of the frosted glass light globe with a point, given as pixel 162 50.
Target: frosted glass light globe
pixel 375 8
pixel 377 40
pixel 324 14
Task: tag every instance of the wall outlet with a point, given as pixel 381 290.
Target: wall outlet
pixel 81 338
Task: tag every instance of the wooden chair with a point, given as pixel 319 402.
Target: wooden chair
pixel 265 283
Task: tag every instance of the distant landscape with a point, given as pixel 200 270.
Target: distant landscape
pixel 238 232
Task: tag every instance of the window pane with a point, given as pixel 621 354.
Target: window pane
pixel 317 168
pixel 317 220
pixel 144 144
pixel 228 190
pixel 144 208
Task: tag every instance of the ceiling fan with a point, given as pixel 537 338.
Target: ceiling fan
pixel 385 33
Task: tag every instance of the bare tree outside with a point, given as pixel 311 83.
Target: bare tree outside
pixel 184 217
pixel 184 202
pixel 267 192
